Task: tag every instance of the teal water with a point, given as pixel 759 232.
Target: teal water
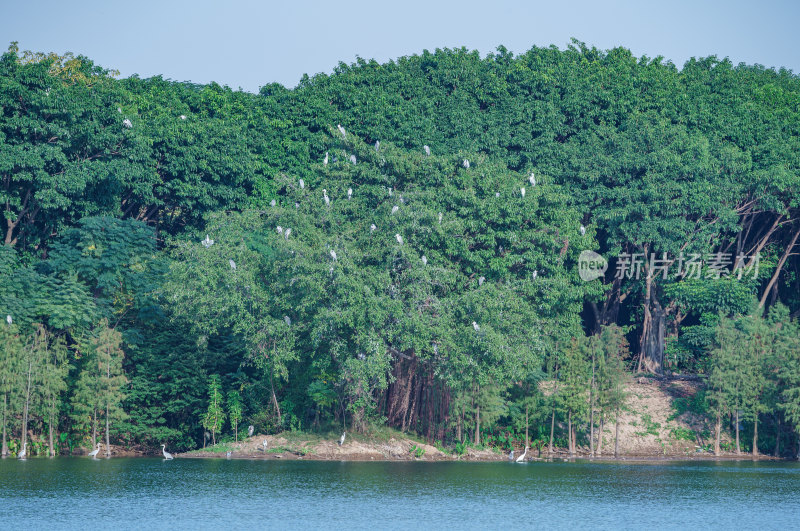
pixel 149 493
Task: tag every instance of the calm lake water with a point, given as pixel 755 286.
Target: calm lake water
pixel 148 493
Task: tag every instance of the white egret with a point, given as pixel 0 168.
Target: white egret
pixel 341 130
pixel 183 116
pixel 427 150
pixel 264 444
pixel 94 452
pixel 349 193
pixel 583 230
pixel 279 229
pixel 532 179
pixel 377 145
pixel 465 164
pixel 372 228
pixel 325 160
pixel 208 242
pixel 333 254
pixel 424 260
pixel 475 326
pixel 287 320
pixel 399 239
pixel 119 110
pixel 395 209
pixel 325 197
pixel 22 453
pixel 127 123
pixel 228 455
pixel 250 430
pixel 391 192
pixel 9 320
pixel 341 439
pixel 511 455
pixel 286 234
pixel 535 274
pixel 440 218
pixel 481 280
pixel 273 203
pixel 302 184
pixel 497 194
pixel 353 159
pixel 521 458
pixel 164 451
pixel 232 264
pixel 296 205
pixel 522 191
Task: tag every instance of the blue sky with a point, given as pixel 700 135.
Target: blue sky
pixel 248 44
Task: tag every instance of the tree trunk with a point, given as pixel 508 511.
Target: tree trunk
pixel 27 402
pixel 552 430
pixel 616 435
pixel 717 431
pixel 778 269
pixel 651 346
pixel 527 440
pixel 4 451
pixel 569 434
pixel 108 438
pixel 591 411
pixel 755 435
pixel 94 429
pixel 275 403
pixel 51 450
pixel 738 449
pixel 777 451
pixel 477 425
pixel 599 449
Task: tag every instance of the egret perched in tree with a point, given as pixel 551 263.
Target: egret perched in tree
pixel 341 439
pixel 372 228
pixel 532 179
pixel 9 320
pixel 232 264
pixel 583 230
pixel 427 150
pixel 119 110
pixel 164 451
pixel 250 430
pixel 377 145
pixel 349 193
pixel 521 458
pixel 475 326
pixel 497 194
pixel 287 320
pixel 341 130
pixel 522 191
pixel 465 164
pixel 302 184
pixel 535 274
pixel 399 239
pixel 424 260
pixel 272 203
pixel 21 454
pixel 127 123
pixel 333 254
pixel 353 159
pixel 296 205
pixel 208 242
pixel 481 280
pixel 280 230
pixel 325 160
pixel 94 452
pixel 286 234
pixel 183 116
pixel 325 197
pixel 395 209
pixel 440 218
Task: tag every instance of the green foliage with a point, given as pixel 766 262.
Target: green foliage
pixel 234 404
pixel 214 417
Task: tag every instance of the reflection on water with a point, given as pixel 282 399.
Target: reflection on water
pixel 191 493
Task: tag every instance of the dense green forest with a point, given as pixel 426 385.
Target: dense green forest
pixel 396 244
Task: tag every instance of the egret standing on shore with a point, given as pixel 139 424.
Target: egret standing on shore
pixel 250 430
pixel 21 454
pixel 164 451
pixel 341 439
